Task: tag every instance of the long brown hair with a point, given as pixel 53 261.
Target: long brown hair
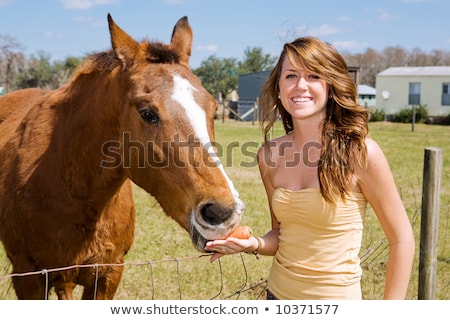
pixel 346 124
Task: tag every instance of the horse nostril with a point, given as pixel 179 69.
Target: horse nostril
pixel 214 213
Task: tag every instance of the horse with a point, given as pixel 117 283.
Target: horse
pixel 133 114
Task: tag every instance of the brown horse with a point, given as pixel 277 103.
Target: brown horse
pixel 67 158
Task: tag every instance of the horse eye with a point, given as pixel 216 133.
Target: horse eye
pixel 149 116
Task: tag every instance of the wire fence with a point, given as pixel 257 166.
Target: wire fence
pixel 184 275
pixel 372 259
pixel 238 277
pixel 257 289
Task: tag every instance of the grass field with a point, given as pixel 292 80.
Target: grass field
pixel 163 264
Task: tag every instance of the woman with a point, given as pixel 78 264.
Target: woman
pixel 319 177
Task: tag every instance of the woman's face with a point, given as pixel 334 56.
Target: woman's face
pixel 302 93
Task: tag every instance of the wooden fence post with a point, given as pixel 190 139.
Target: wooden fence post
pixel 429 228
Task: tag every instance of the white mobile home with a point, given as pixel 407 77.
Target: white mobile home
pixel 367 95
pixel 402 87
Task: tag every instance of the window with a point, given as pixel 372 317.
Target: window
pixel 446 94
pixel 414 93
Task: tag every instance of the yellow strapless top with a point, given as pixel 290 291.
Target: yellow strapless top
pixel 317 257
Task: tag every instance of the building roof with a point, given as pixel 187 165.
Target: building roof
pixel 416 71
pixel 364 89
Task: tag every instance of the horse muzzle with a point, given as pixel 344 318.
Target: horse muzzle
pixel 213 221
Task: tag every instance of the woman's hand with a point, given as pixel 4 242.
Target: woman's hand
pixel 231 245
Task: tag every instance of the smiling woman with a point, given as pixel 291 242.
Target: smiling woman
pixel 319 178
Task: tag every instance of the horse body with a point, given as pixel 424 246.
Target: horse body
pixel 67 158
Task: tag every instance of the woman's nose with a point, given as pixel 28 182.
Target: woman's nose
pixel 301 83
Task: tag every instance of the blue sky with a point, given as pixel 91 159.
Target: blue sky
pixel 226 28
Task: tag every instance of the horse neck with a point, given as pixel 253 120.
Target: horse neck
pixel 88 118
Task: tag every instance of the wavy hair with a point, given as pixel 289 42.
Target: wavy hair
pixel 346 124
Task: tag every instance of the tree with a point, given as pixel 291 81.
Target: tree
pixel 11 59
pixel 62 71
pixel 440 58
pixel 38 74
pixel 417 57
pixel 369 62
pixel 41 72
pixel 218 76
pixel 394 56
pixel 255 61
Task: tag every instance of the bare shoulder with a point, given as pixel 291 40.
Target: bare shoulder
pixel 372 146
pixel 377 167
pixel 374 151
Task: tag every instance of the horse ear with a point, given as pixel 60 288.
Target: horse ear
pixel 182 40
pixel 124 46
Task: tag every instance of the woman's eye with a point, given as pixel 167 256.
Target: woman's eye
pixel 291 76
pixel 149 116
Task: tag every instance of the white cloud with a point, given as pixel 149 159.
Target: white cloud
pixel 91 21
pixel 324 30
pixel 343 19
pixel 4 3
pixel 171 2
pixel 384 16
pixel 349 45
pixel 298 31
pixel 409 1
pixel 209 47
pixel 48 34
pixel 51 34
pixel 85 4
pixel 83 19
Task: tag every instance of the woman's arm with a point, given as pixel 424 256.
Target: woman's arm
pixel 378 186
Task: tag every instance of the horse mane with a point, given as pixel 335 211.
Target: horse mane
pixel 155 52
pixel 161 53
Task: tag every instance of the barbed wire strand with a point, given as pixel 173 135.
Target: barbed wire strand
pixel 123 264
pixel 371 251
pixel 178 277
pixel 239 291
pixel 221 280
pixel 149 263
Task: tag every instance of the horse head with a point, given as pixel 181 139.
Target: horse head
pixel 167 142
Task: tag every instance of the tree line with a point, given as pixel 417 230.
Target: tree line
pixel 219 75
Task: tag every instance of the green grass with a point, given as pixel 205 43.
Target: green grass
pixel 164 265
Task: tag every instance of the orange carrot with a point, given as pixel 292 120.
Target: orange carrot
pixel 241 232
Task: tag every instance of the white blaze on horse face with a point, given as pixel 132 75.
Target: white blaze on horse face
pixel 183 93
